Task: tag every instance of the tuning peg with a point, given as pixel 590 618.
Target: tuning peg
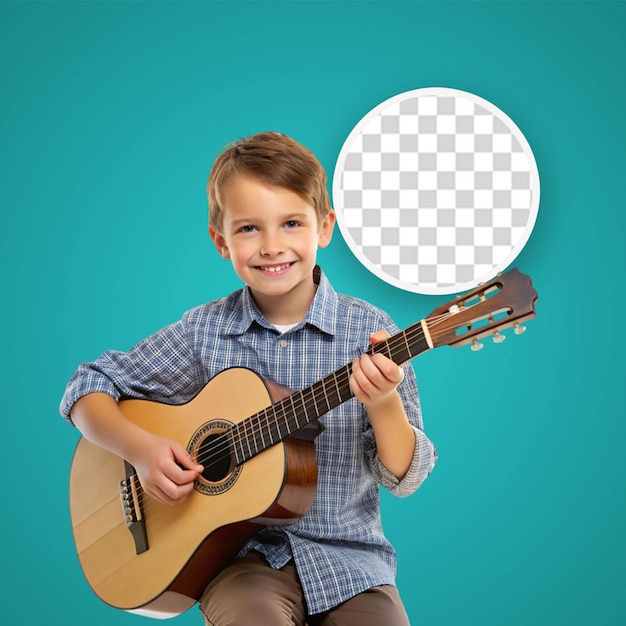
pixel 498 338
pixel 517 329
pixel 476 345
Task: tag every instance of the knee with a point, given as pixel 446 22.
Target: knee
pixel 251 612
pixel 251 593
pixel 239 603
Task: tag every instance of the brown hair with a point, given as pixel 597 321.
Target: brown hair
pixel 276 159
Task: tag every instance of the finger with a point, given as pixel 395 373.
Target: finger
pixel 355 378
pixel 184 459
pixel 172 493
pixel 379 335
pixel 363 370
pixel 369 368
pixel 158 493
pixel 180 476
pixel 390 370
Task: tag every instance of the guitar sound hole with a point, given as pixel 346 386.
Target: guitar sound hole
pixel 214 453
pixel 211 446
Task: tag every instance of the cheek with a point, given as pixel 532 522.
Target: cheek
pixel 312 243
pixel 241 253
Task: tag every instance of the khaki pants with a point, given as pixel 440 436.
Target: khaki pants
pixel 250 593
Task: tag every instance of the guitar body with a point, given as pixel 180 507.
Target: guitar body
pixel 187 544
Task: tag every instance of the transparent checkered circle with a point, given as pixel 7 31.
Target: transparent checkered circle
pixel 436 190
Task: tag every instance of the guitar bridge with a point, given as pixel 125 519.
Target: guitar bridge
pixel 131 506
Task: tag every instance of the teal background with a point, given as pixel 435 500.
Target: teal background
pixel 110 117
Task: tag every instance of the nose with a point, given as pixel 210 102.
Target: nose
pixel 272 244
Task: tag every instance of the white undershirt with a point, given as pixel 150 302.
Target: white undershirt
pixel 283 328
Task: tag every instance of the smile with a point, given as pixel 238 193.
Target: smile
pixel 274 269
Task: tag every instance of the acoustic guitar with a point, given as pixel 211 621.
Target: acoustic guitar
pixel 256 442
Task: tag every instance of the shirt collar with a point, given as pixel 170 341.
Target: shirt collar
pixel 322 313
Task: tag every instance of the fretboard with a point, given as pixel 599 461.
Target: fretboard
pixel 282 419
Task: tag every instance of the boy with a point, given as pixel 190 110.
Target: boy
pixel 269 212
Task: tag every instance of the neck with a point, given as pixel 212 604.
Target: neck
pixel 288 308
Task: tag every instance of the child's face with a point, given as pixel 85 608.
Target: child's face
pixel 271 235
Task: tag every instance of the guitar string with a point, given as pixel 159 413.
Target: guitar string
pixel 307 399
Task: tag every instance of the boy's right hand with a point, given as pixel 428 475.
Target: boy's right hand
pixel 165 469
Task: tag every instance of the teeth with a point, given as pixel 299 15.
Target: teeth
pixel 276 268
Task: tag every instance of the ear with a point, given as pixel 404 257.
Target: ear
pixel 326 230
pixel 220 243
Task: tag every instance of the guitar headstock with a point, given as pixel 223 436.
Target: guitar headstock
pixel 503 302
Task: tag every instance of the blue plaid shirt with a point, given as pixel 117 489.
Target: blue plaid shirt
pixel 338 547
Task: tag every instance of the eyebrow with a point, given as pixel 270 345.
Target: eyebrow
pixel 289 217
pixel 297 216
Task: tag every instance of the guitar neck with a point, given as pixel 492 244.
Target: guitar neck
pixel 287 416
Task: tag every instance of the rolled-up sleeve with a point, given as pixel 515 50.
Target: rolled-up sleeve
pixel 162 368
pixel 425 454
pixel 424 459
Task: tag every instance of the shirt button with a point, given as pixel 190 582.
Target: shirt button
pixel 283 343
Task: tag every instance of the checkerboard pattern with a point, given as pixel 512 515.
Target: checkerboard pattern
pixel 436 190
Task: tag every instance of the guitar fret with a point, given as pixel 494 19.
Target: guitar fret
pixel 286 429
pixel 258 434
pixel 261 430
pixel 317 411
pixel 323 386
pixel 348 391
pixel 280 420
pixel 241 428
pixel 273 421
pixel 307 406
pixel 236 442
pixel 294 412
pixel 336 386
pixel 253 435
pixel 274 437
pixel 247 438
pixel 306 413
pixel 406 343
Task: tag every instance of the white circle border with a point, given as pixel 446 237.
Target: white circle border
pixel 515 131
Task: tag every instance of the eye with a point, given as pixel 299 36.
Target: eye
pixel 292 224
pixel 248 228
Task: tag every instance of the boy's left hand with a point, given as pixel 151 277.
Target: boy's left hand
pixel 375 378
